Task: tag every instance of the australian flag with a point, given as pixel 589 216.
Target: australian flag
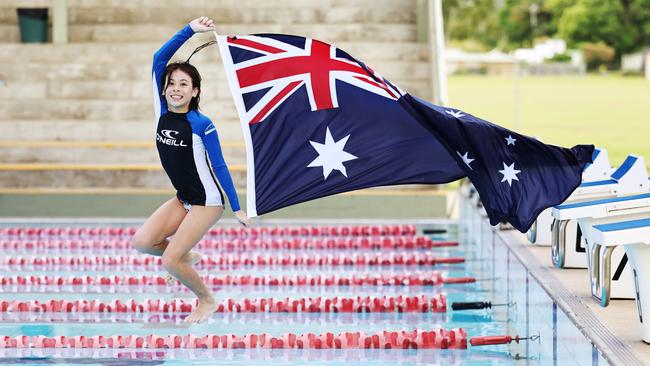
pixel 318 122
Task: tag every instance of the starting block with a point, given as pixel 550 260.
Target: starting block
pixel 634 236
pixel 606 283
pixel 600 169
pixel 567 244
pixel 630 177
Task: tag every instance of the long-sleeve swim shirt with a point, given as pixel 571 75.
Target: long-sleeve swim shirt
pixel 186 142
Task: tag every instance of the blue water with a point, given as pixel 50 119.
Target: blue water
pixel 263 356
pixel 504 280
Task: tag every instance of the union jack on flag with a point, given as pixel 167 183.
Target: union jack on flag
pixel 318 122
pixel 269 68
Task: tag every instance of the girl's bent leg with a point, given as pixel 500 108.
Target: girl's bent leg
pixel 151 237
pixel 197 222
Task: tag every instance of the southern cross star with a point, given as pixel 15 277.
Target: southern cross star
pixel 509 173
pixel 331 155
pixel 510 140
pixel 456 114
pixel 466 159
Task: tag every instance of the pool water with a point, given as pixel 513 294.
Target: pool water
pixel 502 279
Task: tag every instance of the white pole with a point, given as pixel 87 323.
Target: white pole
pixel 437 52
pixel 517 106
pixel 60 21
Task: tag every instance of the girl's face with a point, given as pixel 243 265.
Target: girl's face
pixel 179 91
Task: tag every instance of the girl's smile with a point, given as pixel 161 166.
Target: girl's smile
pixel 179 91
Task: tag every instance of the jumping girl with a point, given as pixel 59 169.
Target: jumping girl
pixel 186 139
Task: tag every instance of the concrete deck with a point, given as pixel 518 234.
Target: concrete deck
pixel 620 317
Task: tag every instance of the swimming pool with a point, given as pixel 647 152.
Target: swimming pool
pixel 381 273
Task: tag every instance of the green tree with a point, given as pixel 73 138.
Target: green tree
pixel 639 12
pixel 622 24
pixel 556 8
pixel 472 20
pixel 523 21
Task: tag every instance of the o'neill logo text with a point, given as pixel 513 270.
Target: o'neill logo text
pixel 169 138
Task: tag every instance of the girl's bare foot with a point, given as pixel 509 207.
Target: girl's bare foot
pixel 203 311
pixel 192 258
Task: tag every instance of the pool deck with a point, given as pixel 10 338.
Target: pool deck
pixel 614 329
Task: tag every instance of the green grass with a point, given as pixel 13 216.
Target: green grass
pixel 608 111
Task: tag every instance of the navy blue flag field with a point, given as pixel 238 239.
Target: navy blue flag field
pixel 516 176
pixel 317 122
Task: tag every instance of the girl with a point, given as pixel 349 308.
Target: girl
pixel 186 139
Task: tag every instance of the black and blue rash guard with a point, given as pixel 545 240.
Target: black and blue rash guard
pixel 186 141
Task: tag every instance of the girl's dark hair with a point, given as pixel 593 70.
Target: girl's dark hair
pixel 190 70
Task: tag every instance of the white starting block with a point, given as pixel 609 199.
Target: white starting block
pixel 605 283
pixel 567 244
pixel 630 177
pixel 634 236
pixel 600 169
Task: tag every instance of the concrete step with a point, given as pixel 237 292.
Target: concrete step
pixel 183 13
pixel 120 53
pixel 26 4
pixel 235 15
pixel 396 32
pixel 39 71
pixel 9 33
pixel 172 5
pixel 396 71
pixel 94 175
pixel 116 109
pixel 98 130
pixel 331 33
pixel 109 152
pixel 213 90
pixel 95 109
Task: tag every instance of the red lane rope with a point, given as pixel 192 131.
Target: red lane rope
pixel 238 259
pixel 342 230
pixel 380 279
pixel 368 304
pixel 379 242
pixel 268 319
pixel 416 339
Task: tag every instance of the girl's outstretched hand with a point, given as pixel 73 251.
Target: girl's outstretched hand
pixel 202 24
pixel 243 218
